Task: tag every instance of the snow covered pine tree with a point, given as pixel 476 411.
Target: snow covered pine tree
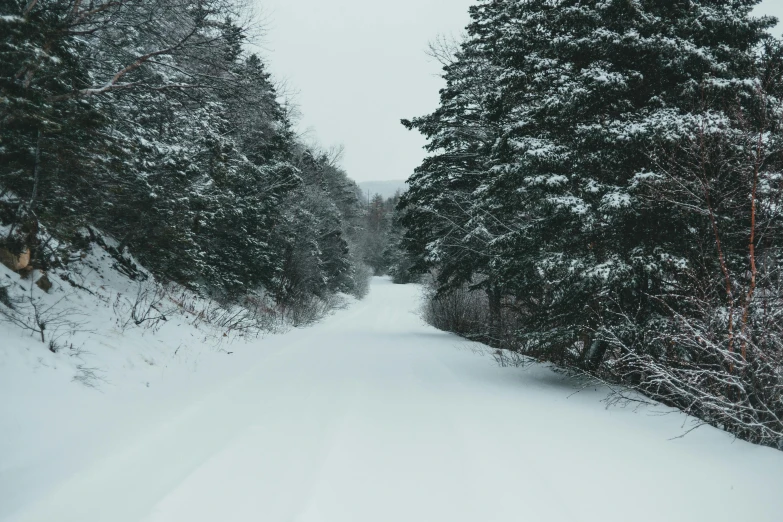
pixel 555 181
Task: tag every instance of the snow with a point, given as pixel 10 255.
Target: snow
pixel 370 415
pixel 615 200
pixel 572 203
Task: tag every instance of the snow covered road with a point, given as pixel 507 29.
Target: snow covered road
pixel 372 416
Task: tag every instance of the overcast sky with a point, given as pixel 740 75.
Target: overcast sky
pixel 359 66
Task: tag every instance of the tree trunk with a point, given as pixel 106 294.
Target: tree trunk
pixel 594 354
pixel 36 167
pixel 495 332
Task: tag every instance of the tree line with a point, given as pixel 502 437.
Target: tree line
pixel 150 121
pixel 382 237
pixel 603 191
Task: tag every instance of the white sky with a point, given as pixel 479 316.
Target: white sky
pixel 359 66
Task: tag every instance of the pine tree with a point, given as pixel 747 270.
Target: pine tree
pixel 445 229
pixel 582 88
pixel 591 85
pixel 608 180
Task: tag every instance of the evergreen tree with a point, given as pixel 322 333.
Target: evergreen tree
pixel 591 86
pixel 601 169
pixel 150 122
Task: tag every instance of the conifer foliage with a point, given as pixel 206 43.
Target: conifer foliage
pixel 608 174
pixel 149 120
pixel 381 240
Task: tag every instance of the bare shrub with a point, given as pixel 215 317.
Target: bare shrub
pixel 309 309
pixel 689 362
pixel 31 312
pixel 466 311
pixel 249 316
pixel 238 320
pixel 460 311
pixel 510 358
pixel 146 308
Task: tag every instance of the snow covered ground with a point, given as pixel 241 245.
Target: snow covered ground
pixel 369 416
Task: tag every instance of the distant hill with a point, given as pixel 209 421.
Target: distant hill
pixel 385 188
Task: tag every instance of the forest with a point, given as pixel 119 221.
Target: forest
pixel 603 193
pixel 149 127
